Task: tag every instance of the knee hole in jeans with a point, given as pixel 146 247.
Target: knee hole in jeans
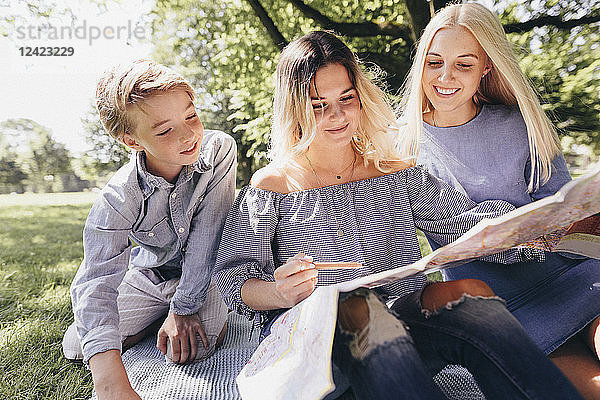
pixel 592 336
pixel 370 323
pixel 442 294
pixel 473 287
pixel 353 314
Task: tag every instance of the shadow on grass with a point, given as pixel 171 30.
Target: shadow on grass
pixel 40 250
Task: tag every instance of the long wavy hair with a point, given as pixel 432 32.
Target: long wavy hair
pixel 294 123
pixel 503 84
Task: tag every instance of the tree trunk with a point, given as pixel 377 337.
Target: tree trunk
pixel 420 14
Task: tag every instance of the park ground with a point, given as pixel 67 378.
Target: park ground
pixel 40 250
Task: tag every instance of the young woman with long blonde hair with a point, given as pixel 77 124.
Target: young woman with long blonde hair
pixel 473 120
pixel 331 194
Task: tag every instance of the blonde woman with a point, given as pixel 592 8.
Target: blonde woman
pixel 331 194
pixel 476 123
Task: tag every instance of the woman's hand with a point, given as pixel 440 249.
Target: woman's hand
pixel 295 280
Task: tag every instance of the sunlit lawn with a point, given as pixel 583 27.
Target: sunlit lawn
pixel 40 250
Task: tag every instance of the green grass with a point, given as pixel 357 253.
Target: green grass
pixel 425 250
pixel 40 250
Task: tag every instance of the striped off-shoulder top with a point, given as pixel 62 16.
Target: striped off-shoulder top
pixel 371 221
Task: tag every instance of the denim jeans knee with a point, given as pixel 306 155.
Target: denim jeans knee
pixel 375 352
pixel 480 334
pixel 379 326
pixel 412 305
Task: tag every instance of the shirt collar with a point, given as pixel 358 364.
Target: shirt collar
pixel 149 182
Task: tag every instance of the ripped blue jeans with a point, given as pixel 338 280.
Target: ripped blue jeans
pixel 396 354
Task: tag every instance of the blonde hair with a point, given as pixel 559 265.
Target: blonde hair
pixel 294 123
pixel 124 86
pixel 503 84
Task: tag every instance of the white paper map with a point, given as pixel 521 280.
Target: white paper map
pixel 294 361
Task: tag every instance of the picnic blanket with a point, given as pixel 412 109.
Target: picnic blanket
pixel 214 378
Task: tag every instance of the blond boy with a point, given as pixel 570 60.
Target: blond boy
pixel 171 200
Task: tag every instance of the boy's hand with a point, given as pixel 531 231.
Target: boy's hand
pixel 181 332
pixel 295 280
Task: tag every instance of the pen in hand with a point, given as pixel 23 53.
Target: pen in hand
pixel 337 265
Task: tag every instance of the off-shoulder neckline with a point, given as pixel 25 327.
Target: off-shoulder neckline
pixel 329 187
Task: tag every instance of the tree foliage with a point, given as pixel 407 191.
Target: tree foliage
pixel 34 153
pixel 229 50
pixel 12 177
pixel 106 155
pixel 563 65
pixel 228 58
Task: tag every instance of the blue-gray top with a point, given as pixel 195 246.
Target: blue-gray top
pixel 488 157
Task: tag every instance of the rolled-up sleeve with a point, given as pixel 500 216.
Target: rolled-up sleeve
pixel 444 214
pixel 95 287
pixel 246 251
pixel 205 230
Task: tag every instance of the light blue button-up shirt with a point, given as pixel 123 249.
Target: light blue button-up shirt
pixel 177 228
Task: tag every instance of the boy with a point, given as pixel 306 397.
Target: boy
pixel 171 199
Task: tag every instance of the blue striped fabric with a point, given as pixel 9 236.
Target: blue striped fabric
pixel 377 216
pixel 214 378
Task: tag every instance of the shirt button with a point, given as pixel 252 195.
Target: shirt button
pixel 181 230
pixel 173 195
pixel 151 234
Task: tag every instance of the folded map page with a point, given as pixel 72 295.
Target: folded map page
pixel 582 237
pixel 294 362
